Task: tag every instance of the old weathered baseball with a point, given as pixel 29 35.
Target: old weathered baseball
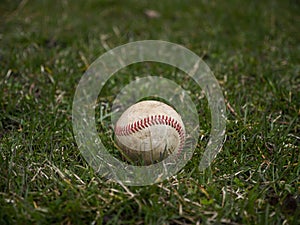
pixel 149 131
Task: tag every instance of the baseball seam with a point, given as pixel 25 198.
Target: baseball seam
pixel 150 121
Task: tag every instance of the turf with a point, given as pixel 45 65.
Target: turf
pixel 251 46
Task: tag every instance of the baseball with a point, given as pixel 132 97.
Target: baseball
pixel 149 131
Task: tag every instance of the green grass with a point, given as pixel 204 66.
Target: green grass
pixel 251 46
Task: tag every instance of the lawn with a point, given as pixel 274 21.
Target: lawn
pixel 253 49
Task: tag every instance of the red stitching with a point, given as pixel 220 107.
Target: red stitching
pixel 150 121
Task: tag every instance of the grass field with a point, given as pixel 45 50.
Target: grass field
pixel 251 46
